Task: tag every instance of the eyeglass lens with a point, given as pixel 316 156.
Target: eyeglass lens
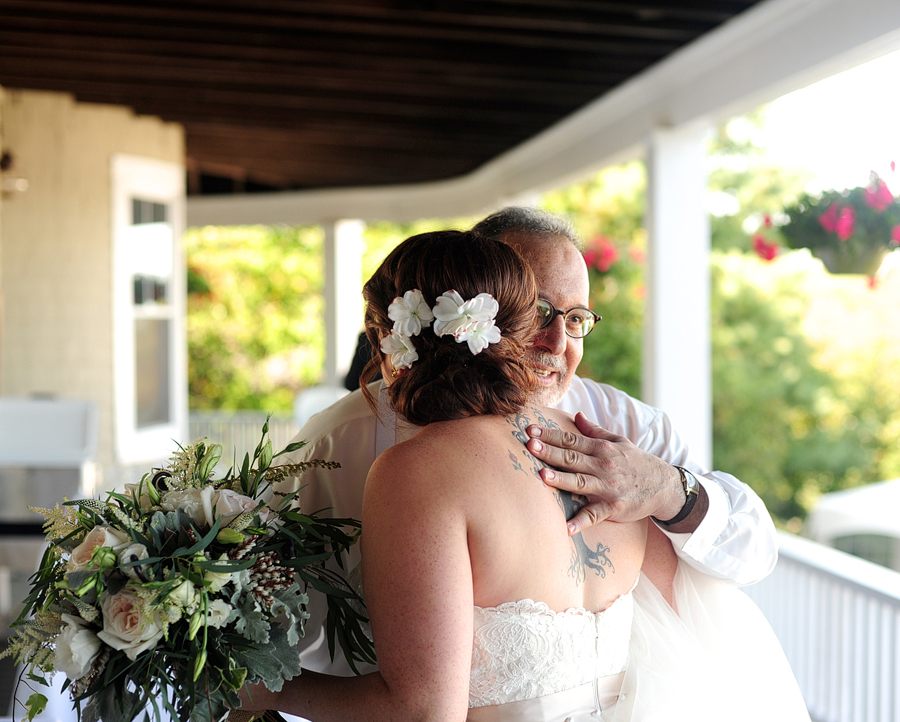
pixel 579 322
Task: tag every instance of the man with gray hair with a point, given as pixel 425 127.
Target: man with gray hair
pixel 628 461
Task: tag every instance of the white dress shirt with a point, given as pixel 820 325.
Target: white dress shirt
pixel 736 540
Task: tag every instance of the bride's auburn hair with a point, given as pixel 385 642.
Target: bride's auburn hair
pixel 448 381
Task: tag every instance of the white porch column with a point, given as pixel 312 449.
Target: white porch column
pixel 343 296
pixel 676 365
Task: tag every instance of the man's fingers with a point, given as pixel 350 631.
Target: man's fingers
pixel 561 457
pixel 576 483
pixel 587 516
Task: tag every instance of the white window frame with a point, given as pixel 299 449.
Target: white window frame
pixel 161 182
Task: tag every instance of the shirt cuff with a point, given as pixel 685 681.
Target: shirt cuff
pixel 697 544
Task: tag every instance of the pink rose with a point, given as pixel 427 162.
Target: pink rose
pixel 230 505
pixel 99 536
pixel 127 626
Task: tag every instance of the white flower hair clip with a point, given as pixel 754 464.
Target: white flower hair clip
pixel 471 321
pixel 401 350
pixel 410 313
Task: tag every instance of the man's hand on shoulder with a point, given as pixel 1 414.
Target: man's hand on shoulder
pixel 621 482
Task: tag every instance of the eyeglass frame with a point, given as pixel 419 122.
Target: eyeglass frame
pixel 546 321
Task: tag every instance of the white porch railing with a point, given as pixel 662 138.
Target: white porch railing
pixel 239 431
pixel 838 619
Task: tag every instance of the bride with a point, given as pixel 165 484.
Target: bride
pixel 483 608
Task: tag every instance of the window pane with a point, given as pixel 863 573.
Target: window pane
pixel 151 357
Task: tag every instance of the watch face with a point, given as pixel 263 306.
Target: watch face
pixel 692 486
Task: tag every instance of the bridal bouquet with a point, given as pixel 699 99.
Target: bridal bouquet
pixel 167 599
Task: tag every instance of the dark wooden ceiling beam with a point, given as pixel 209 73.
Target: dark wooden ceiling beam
pixel 291 94
pixel 350 37
pixel 484 19
pixel 249 107
pixel 129 70
pixel 580 67
pixel 338 133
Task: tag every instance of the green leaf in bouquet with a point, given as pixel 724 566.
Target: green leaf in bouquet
pixel 113 703
pixel 201 543
pixel 35 705
pixel 245 476
pixel 270 663
pixel 290 448
pixel 293 606
pixel 251 621
pixel 343 623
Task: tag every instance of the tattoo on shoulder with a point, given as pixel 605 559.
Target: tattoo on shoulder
pixel 520 422
pixel 583 557
pixel 543 420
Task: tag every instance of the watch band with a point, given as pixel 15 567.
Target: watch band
pixel 691 494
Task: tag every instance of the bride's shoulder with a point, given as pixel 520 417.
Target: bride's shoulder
pixel 450 455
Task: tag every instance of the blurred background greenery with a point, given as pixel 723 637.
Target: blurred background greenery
pixel 806 368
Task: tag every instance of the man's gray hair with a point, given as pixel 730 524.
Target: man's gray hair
pixel 527 221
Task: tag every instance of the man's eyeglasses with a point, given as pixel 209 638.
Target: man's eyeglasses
pixel 579 322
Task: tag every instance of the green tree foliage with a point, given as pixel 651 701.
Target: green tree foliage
pixel 255 317
pixel 798 411
pixel 779 421
pixel 607 210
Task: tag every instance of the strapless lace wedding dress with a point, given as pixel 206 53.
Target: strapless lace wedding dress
pixel 529 662
pixel 637 661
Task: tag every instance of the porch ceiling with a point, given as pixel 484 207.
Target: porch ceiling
pixel 282 94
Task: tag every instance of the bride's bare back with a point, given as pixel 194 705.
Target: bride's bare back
pixel 458 516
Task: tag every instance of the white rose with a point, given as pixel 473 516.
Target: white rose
pixel 99 536
pixel 76 648
pixel 214 581
pixel 194 503
pixel 217 613
pixel 184 596
pixel 132 553
pixel 131 491
pixel 126 626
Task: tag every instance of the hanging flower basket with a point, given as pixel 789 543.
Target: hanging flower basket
pixel 850 231
pixel 866 262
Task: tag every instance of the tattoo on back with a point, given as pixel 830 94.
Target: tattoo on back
pixel 583 557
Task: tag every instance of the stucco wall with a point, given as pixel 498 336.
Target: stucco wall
pixel 55 244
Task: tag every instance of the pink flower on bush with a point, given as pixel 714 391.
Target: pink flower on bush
pixel 846 223
pixel 601 254
pixel 764 249
pixel 877 194
pixel 841 221
pixel 895 236
pixel 828 219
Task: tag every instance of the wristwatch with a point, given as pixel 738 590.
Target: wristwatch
pixel 691 494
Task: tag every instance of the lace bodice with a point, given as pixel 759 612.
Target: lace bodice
pixel 524 649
